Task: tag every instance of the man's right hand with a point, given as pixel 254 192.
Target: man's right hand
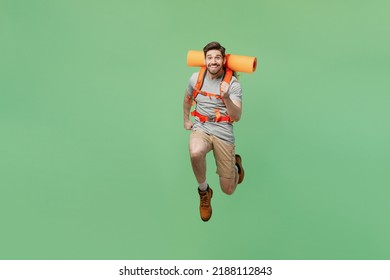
pixel 188 125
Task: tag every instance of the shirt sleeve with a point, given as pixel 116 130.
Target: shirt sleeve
pixel 235 90
pixel 191 83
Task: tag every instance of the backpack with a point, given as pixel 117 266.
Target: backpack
pixel 198 90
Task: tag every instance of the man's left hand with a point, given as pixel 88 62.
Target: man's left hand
pixel 224 90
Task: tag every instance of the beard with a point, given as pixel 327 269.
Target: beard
pixel 214 68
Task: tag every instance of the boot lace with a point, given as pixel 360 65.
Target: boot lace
pixel 204 200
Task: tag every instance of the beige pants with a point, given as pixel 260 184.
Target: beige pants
pixel 224 153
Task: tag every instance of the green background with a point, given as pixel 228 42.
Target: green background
pixel 93 155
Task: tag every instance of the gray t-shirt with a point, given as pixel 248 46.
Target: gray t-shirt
pixel 206 106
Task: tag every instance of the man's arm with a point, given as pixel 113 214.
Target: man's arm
pixel 234 107
pixel 186 110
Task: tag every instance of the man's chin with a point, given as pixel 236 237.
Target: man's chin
pixel 214 71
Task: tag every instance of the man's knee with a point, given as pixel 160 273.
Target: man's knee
pixel 197 154
pixel 228 186
pixel 198 149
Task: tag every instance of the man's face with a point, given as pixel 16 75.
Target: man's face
pixel 214 61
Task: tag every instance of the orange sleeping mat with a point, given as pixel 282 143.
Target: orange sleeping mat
pixel 239 63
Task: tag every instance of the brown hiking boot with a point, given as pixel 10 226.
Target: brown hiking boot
pixel 241 172
pixel 205 204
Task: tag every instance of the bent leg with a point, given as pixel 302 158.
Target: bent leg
pixel 199 147
pixel 228 185
pixel 224 153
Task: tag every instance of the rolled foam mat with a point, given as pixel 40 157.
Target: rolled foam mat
pixel 239 63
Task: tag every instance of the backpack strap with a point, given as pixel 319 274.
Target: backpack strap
pixel 222 118
pixel 201 76
pixel 218 117
pixel 227 78
pixel 199 82
pixel 197 89
pixel 201 117
pixel 228 75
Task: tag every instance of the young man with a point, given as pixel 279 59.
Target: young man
pixel 218 105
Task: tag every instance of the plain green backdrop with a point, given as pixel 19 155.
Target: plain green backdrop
pixel 93 155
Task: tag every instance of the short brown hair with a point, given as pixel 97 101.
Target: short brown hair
pixel 214 46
